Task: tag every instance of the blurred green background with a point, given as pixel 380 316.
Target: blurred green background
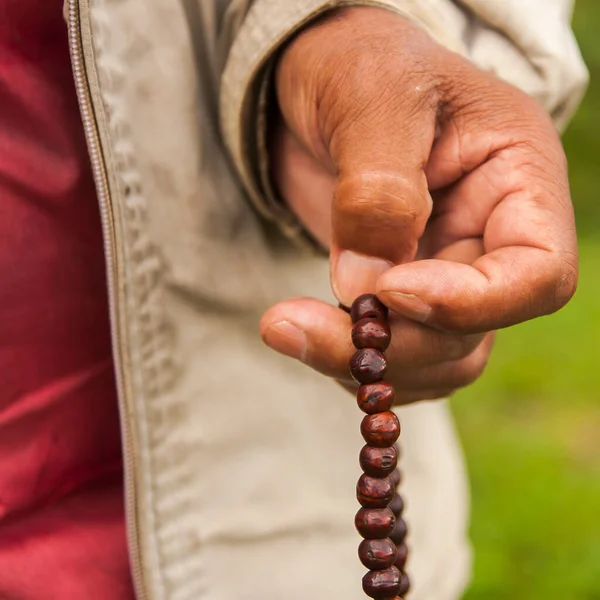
pixel 531 425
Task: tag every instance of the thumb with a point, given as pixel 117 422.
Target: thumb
pixel 362 110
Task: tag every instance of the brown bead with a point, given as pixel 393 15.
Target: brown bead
pixel 398 535
pixel 377 554
pixel 382 584
pixel 375 397
pixel 378 462
pixel 370 333
pixel 368 365
pixel 404 584
pixel 374 492
pixel 368 306
pixel 381 429
pixel 396 476
pixel 397 505
pixel 402 556
pixel 375 523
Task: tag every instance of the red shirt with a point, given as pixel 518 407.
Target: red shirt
pixel 62 531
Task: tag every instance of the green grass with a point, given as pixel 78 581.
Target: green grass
pixel 582 140
pixel 531 432
pixel 531 425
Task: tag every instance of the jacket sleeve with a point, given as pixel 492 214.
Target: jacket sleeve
pixel 529 44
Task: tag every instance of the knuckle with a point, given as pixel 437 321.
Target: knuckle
pixel 386 198
pixel 544 164
pixel 380 211
pixel 555 288
pixel 566 284
pixel 483 102
pixel 383 193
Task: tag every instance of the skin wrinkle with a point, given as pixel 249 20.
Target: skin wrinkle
pixel 484 172
pixel 366 199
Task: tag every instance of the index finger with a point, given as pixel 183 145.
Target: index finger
pixel 518 200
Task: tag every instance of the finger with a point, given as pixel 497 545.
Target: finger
pixel 375 124
pixel 303 182
pixel 515 196
pixel 448 375
pixel 418 396
pixel 415 346
pixel 465 251
pixel 312 332
pixel 529 269
pixel 318 334
pixel 377 219
pixel 440 380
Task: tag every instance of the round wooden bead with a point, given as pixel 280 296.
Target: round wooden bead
pixel 370 333
pixel 374 492
pixel 382 584
pixel 395 475
pixel 399 532
pixel 402 556
pixel 375 397
pixel 375 523
pixel 368 306
pixel 377 554
pixel 378 462
pixel 368 365
pixel 381 429
pixel 404 584
pixel 397 505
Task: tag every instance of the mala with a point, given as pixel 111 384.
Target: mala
pixel 379 521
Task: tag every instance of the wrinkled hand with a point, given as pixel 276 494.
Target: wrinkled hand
pixel 435 185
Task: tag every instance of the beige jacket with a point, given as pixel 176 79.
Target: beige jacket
pixel 241 464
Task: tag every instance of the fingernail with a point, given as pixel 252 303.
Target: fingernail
pixel 356 274
pixel 287 339
pixel 409 305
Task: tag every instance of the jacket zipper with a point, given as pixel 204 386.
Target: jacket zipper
pixel 99 171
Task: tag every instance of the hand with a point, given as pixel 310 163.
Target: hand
pixel 435 185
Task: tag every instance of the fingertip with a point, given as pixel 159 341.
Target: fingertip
pixel 400 294
pixel 272 315
pixel 407 304
pixel 354 274
pixel 287 339
pixel 312 331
